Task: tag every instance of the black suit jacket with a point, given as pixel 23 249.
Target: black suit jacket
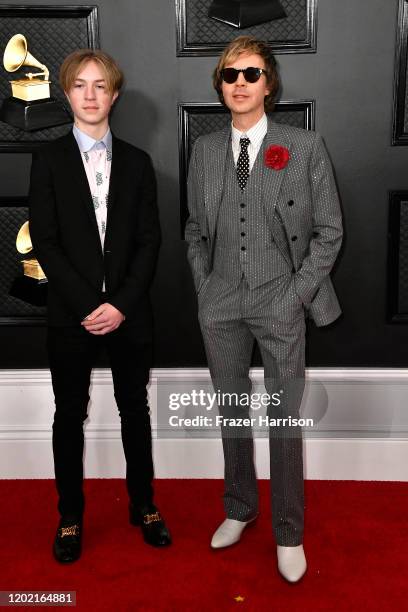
pixel 65 235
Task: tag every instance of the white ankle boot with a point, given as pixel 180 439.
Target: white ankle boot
pixel 228 533
pixel 291 562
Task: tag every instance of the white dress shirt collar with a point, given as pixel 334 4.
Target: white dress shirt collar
pixel 86 143
pixel 256 133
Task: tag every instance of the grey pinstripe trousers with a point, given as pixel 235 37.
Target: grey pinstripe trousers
pixel 231 318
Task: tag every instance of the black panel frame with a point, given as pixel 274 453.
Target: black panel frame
pixel 184 49
pixel 400 118
pixel 85 12
pixel 189 108
pixel 34 320
pixel 394 314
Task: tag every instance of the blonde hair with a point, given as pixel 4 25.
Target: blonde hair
pixel 249 44
pixel 74 62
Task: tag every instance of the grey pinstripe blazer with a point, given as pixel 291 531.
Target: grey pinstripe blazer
pixel 301 205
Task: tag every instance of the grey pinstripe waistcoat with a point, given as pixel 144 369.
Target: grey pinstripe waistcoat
pixel 301 207
pixel 244 244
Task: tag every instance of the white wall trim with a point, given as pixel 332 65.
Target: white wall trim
pixel 363 428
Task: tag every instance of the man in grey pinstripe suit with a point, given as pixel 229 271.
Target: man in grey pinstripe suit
pixel 263 234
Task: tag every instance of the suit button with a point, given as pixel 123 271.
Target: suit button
pixel 204 238
pixel 242 205
pixel 243 249
pixel 242 233
pixel 242 219
pixel 290 203
pixel 294 238
pixel 107 252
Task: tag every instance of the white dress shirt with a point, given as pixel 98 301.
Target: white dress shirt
pixel 97 158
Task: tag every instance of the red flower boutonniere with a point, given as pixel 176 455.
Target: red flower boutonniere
pixel 276 157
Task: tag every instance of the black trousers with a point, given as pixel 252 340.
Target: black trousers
pixel 72 352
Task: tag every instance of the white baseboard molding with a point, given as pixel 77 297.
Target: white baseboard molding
pixel 361 434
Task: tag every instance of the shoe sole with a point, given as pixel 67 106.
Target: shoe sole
pixel 66 561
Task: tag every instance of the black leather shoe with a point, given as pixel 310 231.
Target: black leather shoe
pixel 68 540
pixel 154 528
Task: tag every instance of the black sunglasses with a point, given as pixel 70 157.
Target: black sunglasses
pixel 251 75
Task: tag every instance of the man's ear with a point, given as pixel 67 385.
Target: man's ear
pixel 114 97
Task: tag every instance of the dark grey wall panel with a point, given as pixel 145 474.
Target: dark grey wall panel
pixel 351 78
pixel 200 35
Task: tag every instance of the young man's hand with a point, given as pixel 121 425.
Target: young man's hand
pixel 105 319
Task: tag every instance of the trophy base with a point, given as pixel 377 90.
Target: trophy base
pixel 30 290
pixel 36 115
pixel 246 13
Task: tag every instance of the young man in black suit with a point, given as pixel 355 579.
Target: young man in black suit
pixel 95 229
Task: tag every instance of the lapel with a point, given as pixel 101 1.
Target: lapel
pixel 272 182
pixel 272 179
pixel 117 167
pixel 75 164
pixel 214 161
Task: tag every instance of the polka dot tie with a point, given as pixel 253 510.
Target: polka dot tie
pixel 243 163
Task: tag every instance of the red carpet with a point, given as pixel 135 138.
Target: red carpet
pixel 356 543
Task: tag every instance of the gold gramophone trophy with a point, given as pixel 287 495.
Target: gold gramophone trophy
pixel 30 108
pixel 32 286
